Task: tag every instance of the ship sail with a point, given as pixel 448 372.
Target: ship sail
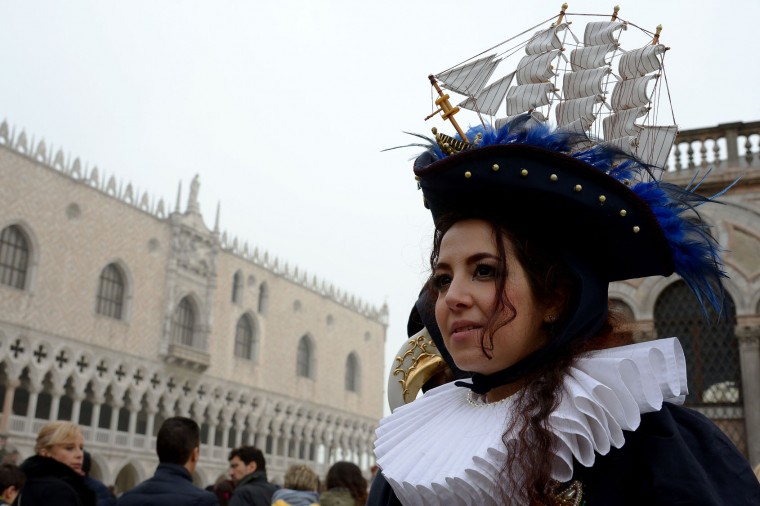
pixel 631 99
pixel 601 89
pixel 470 78
pixel 583 86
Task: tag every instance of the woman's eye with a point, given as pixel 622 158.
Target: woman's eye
pixel 484 271
pixel 441 282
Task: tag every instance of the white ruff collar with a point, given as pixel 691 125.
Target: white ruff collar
pixel 445 449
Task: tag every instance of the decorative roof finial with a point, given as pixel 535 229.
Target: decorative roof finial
pixel 192 199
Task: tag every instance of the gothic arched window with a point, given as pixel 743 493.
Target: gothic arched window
pixel 304 366
pixel 245 338
pixel 183 323
pixel 352 373
pixel 14 257
pixel 237 287
pixel 263 298
pixel 110 298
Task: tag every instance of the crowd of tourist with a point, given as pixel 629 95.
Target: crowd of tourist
pixel 58 473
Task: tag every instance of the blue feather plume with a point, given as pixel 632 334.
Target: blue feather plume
pixel 695 252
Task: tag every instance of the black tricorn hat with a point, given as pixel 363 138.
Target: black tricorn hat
pixel 569 203
pixel 604 212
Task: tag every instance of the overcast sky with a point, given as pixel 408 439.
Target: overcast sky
pixel 282 108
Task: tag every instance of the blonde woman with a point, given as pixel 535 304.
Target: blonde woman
pixel 299 489
pixel 54 474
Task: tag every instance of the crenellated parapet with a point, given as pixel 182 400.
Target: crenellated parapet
pixel 302 278
pixel 75 169
pixel 128 193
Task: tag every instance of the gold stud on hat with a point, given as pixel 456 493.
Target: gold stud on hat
pixel 468 174
pixel 524 172
pixel 495 167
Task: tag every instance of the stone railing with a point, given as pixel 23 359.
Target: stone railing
pixel 721 155
pixel 726 146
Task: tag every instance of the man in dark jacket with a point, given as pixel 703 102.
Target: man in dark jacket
pixel 102 494
pixel 248 469
pixel 178 448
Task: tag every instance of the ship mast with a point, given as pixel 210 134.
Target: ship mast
pixel 445 108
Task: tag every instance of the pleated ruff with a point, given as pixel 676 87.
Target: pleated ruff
pixel 446 448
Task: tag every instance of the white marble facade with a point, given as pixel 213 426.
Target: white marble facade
pixel 126 313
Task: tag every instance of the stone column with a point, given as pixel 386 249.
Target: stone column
pixel 239 426
pixel 749 357
pixel 115 407
pixel 95 421
pixel 76 406
pixel 150 421
pixel 226 424
pixel 31 409
pixel 262 430
pixel 286 437
pixel 10 392
pixel 133 407
pixel 55 402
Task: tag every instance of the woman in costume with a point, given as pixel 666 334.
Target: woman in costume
pixel 55 475
pixel 531 226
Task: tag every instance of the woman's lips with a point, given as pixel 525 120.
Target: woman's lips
pixel 462 331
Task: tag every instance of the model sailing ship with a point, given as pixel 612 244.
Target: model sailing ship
pixel 576 80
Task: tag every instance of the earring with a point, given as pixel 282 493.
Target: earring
pixel 551 318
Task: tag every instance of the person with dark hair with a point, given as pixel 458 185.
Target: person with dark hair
pixel 552 406
pixel 11 481
pixel 223 490
pixel 346 486
pixel 178 449
pixel 103 496
pixel 55 471
pixel 248 471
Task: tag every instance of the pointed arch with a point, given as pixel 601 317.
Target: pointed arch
pixel 263 298
pixel 305 357
pixel 353 375
pixel 246 337
pixel 15 253
pixel 237 287
pixel 112 289
pixel 184 322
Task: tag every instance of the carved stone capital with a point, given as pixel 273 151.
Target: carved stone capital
pixel 748 336
pixel 747 330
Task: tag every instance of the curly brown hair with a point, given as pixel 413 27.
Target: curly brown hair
pixel 348 475
pixel 552 281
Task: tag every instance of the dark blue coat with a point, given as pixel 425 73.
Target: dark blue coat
pixel 102 494
pixel 676 456
pixel 173 485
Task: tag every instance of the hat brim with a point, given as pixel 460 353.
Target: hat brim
pixel 565 202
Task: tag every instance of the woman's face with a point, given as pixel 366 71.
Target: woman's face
pixel 466 277
pixel 70 453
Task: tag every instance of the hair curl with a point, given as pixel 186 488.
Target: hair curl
pixel 527 472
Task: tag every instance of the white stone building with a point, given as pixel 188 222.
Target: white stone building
pixel 723 360
pixel 117 312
